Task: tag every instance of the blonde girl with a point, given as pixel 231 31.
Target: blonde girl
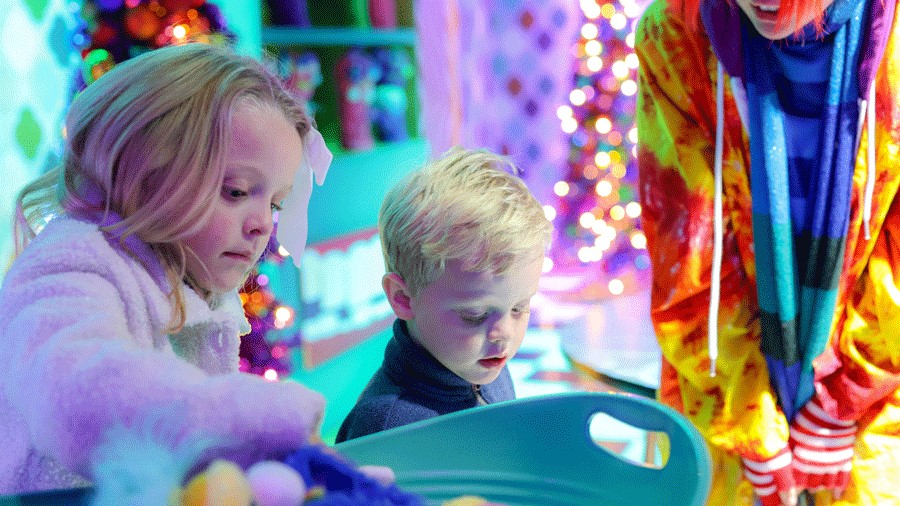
pixel 121 308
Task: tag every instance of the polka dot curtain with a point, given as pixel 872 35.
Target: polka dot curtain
pixel 37 59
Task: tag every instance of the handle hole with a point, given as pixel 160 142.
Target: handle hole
pixel 636 445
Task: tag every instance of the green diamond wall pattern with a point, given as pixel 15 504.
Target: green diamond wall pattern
pixel 37 61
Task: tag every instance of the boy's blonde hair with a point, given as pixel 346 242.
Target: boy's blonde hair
pixel 147 143
pixel 467 205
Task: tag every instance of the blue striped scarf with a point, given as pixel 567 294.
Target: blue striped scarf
pixel 803 116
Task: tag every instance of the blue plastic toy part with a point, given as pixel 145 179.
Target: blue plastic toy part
pixel 344 484
pixel 538 451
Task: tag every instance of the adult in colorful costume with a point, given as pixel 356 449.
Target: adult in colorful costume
pixel 769 161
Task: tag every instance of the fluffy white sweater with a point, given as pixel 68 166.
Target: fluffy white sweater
pixel 84 354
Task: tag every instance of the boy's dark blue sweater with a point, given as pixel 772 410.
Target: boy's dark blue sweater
pixel 411 385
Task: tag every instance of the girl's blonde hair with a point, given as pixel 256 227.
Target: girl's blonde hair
pixel 146 142
pixel 469 206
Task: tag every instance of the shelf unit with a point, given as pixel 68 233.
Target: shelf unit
pixel 329 44
pixel 357 181
pixel 286 36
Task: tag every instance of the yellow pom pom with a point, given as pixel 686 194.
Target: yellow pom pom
pixel 315 492
pixel 222 484
pixel 194 493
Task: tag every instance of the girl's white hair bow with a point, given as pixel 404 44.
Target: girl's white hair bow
pixel 293 219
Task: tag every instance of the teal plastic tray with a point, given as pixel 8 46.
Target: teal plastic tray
pixel 538 451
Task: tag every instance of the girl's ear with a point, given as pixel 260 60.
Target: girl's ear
pixel 398 295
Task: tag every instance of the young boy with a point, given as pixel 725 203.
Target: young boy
pixel 463 242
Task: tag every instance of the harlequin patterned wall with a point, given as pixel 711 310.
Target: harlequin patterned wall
pixel 37 59
pixel 492 75
pixel 528 71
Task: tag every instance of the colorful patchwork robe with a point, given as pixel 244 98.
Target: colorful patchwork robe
pixel 858 376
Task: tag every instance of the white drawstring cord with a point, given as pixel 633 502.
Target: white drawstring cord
pixel 715 276
pixel 870 163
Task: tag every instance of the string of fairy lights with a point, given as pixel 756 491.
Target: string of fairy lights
pixel 597 214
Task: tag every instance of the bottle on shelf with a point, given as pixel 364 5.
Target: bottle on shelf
pixel 289 13
pixel 391 102
pixel 356 75
pixel 383 13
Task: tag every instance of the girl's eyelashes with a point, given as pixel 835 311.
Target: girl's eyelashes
pixel 233 193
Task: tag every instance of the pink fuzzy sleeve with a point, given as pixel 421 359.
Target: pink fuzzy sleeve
pixel 72 371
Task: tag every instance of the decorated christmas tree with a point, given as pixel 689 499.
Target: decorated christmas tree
pixel 265 350
pixel 116 30
pixel 597 214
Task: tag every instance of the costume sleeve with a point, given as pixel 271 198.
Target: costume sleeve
pixel 862 366
pixel 73 372
pixel 735 410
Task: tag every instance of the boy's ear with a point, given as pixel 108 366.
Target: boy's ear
pixel 398 295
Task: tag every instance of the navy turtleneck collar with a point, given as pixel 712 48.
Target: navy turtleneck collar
pixel 409 364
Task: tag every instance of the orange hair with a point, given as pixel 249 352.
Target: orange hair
pixel 790 13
